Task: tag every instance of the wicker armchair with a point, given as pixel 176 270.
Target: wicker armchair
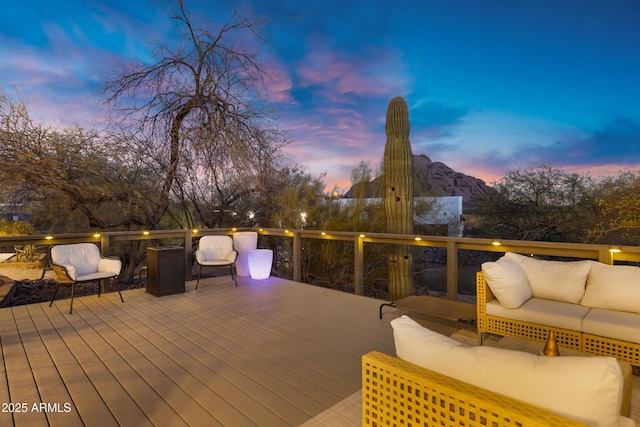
pixel 396 392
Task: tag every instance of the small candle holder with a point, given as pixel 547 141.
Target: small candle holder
pixel 551 346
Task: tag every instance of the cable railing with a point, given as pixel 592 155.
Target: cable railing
pixel 608 254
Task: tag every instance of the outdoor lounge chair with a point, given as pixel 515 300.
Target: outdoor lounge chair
pixel 82 263
pixel 216 251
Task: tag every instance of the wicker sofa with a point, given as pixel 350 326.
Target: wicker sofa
pixel 436 380
pixel 591 307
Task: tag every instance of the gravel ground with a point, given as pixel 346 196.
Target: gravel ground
pixel 20 284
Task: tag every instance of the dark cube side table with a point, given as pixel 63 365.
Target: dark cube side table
pixel 165 270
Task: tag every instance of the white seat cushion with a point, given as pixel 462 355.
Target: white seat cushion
pixel 613 287
pixel 79 259
pixel 95 277
pixel 557 314
pixel 554 280
pixel 507 282
pixel 618 325
pixel 215 262
pixel 586 389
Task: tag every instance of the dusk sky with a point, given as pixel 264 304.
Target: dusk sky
pixel 492 85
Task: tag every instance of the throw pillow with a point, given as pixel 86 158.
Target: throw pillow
pixel 507 282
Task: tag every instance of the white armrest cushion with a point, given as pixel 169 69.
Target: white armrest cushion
pixel 231 256
pixel 200 256
pixel 71 271
pixel 109 265
pixel 586 389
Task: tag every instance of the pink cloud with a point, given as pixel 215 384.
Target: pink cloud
pixel 278 82
pixel 369 72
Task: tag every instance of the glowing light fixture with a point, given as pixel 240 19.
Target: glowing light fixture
pixel 260 261
pixel 49 237
pixel 244 242
pixel 362 236
pixel 496 243
pixel 96 235
pixel 323 233
pixel 615 249
pixel 418 238
pixel 194 231
pixel 145 232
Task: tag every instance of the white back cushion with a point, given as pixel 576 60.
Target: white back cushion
pixel 555 280
pixel 613 287
pixel 586 389
pixel 507 282
pixel 214 247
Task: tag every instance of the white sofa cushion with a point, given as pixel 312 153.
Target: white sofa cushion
pixel 613 287
pixel 507 282
pixel 586 389
pixel 554 280
pixel 557 314
pixel 618 325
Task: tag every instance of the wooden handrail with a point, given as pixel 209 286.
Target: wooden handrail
pixel 453 245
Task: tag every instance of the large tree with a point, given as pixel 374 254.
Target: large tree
pixel 72 179
pixel 543 203
pixel 199 110
pixel 618 203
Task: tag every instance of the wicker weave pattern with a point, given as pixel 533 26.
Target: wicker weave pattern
pixel 399 393
pixel 601 346
pixel 622 350
pixel 533 332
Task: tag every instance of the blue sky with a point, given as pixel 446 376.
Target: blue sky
pixel 492 85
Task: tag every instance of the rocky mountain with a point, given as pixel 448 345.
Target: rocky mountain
pixel 431 179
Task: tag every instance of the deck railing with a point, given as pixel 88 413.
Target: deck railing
pixel 604 253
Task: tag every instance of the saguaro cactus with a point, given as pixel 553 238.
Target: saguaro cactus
pixel 398 171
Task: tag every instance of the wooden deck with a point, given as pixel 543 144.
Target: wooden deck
pixel 268 353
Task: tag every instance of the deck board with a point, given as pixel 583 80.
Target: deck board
pixel 269 353
pixel 51 387
pixel 78 386
pixel 21 383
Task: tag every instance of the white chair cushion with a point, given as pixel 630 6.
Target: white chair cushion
pixel 79 259
pixel 554 280
pixel 110 266
pixel 557 314
pixel 613 287
pixel 507 282
pixel 95 277
pixel 586 389
pixel 215 250
pixel 618 325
